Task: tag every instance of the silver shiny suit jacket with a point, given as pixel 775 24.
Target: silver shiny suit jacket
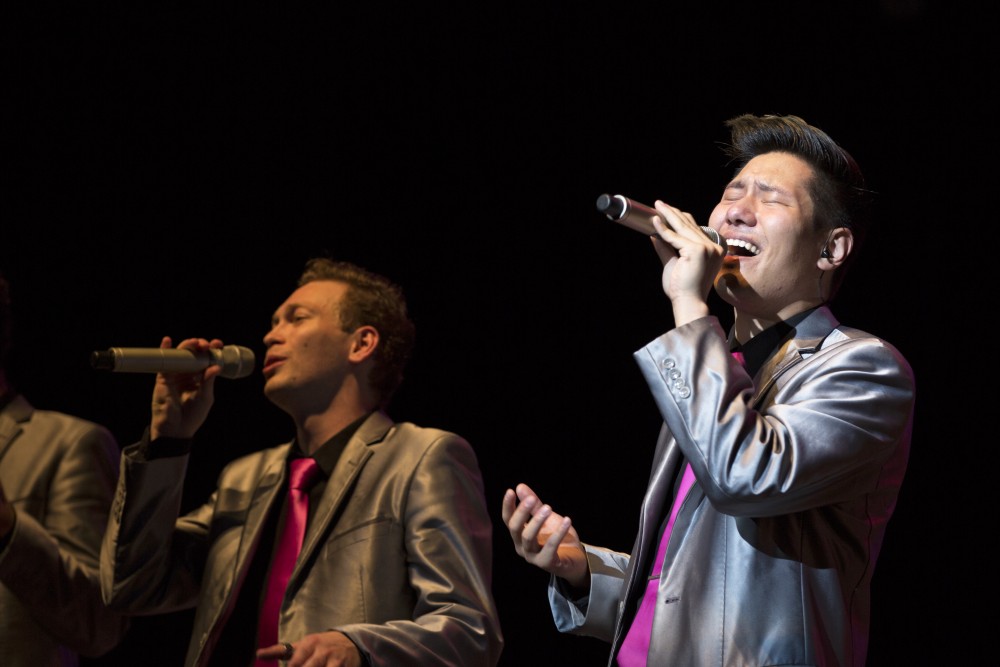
pixel 798 470
pixel 397 555
pixel 59 473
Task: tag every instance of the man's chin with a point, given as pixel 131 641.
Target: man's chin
pixel 273 388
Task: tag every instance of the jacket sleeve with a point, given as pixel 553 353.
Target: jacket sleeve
pixel 151 561
pixel 595 614
pixel 448 543
pixel 51 564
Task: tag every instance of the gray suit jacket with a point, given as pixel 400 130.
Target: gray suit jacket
pixel 398 555
pixel 59 473
pixel 798 470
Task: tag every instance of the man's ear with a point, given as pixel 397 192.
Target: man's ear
pixel 365 340
pixel 838 246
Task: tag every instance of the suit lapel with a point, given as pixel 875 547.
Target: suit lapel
pixel 809 336
pixel 264 498
pixel 340 486
pixel 666 475
pixel 668 463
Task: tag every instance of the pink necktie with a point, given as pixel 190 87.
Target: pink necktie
pixel 636 645
pixel 302 474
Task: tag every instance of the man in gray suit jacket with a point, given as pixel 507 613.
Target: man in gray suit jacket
pixel 395 566
pixel 784 440
pixel 57 476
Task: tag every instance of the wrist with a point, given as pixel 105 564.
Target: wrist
pixel 576 573
pixel 688 309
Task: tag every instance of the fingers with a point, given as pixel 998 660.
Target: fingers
pixel 664 250
pixel 549 551
pixel 197 345
pixel 281 651
pixel 524 492
pixel 525 516
pixel 529 535
pixel 674 226
pixel 673 231
pixel 517 516
pixel 507 507
pixel 522 511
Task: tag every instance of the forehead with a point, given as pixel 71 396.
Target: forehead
pixel 318 294
pixel 778 169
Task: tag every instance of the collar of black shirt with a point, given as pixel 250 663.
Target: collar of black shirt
pixel 758 349
pixel 329 452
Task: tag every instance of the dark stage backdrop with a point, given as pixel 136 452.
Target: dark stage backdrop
pixel 168 170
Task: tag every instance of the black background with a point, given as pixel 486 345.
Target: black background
pixel 168 169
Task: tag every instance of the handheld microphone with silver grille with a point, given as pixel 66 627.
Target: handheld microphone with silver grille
pixel 639 217
pixel 236 361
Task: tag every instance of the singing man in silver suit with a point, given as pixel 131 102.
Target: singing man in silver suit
pixel 395 567
pixel 793 429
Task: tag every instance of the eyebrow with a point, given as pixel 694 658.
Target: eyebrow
pixel 282 309
pixel 761 185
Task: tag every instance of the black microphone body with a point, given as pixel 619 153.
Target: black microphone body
pixel 236 361
pixel 639 217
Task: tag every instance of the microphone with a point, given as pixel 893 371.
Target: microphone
pixel 236 361
pixel 639 216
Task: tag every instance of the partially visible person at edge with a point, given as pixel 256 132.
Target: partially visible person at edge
pixel 57 476
pixel 791 430
pixel 395 567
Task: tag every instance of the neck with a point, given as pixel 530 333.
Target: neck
pixel 747 325
pixel 314 430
